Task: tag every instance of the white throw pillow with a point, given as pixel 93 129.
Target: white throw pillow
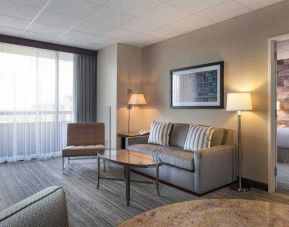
pixel 160 133
pixel 198 137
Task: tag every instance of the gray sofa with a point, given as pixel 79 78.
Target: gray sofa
pixel 46 208
pixel 199 171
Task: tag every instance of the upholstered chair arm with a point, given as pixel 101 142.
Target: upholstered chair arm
pixel 136 140
pixel 45 208
pixel 215 167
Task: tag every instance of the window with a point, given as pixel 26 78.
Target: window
pixel 36 101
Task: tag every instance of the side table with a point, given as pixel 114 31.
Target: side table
pixel 124 135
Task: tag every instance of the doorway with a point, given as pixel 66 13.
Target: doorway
pixel 282 116
pixel 279 114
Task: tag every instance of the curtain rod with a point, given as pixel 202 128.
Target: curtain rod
pixel 46 45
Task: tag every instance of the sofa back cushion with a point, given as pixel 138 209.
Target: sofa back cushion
pixel 217 137
pixel 160 133
pixel 198 137
pixel 179 134
pixel 180 130
pixel 228 137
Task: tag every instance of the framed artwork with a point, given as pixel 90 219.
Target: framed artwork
pixel 199 87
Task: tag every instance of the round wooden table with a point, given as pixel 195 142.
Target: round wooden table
pixel 214 212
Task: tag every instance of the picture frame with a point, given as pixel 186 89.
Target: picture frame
pixel 198 87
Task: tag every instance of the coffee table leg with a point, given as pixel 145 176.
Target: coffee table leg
pixel 157 179
pixel 127 173
pixel 124 172
pixel 104 167
pixel 98 171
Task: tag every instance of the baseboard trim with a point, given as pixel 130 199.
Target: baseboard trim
pixel 255 184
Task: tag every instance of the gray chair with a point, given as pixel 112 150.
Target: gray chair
pixel 46 208
pixel 83 139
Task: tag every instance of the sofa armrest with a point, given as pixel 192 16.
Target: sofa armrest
pixel 136 140
pixel 215 167
pixel 45 208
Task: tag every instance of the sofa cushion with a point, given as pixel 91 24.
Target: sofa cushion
pixel 217 137
pixel 169 155
pixel 160 133
pixel 199 137
pixel 180 131
pixel 179 134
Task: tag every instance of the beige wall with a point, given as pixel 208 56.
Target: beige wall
pixel 128 76
pixel 240 42
pixel 119 68
pixel 107 89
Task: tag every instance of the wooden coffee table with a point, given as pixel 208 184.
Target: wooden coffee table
pixel 129 159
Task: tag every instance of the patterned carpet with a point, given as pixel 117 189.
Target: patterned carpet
pixel 283 178
pixel 88 206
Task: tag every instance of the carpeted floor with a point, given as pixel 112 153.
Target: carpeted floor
pixel 88 206
pixel 283 178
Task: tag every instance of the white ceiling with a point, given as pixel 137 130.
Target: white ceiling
pixel 94 24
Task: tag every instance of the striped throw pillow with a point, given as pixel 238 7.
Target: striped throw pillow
pixel 198 137
pixel 159 133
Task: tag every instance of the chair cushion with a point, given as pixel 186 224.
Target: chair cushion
pixel 82 150
pixel 199 137
pixel 160 133
pixel 173 156
pixel 179 134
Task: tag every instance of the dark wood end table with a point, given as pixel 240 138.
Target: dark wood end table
pixel 124 135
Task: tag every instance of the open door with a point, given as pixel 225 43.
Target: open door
pixel 272 114
pixel 278 118
pixel 282 116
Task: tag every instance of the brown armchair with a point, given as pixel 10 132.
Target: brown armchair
pixel 83 139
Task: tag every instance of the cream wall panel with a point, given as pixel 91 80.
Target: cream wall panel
pixel 107 88
pixel 128 76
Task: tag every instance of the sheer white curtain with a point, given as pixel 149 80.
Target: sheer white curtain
pixel 36 102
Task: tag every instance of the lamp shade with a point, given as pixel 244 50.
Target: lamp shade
pixel 239 101
pixel 137 99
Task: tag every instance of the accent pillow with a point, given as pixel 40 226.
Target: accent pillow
pixel 160 133
pixel 198 137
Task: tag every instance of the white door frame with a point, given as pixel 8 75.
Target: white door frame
pixel 272 123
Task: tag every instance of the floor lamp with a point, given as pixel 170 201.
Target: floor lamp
pixel 135 99
pixel 239 102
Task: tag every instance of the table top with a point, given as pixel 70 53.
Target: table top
pixel 130 134
pixel 129 158
pixel 214 212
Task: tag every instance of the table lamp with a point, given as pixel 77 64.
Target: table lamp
pixel 239 102
pixel 135 99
